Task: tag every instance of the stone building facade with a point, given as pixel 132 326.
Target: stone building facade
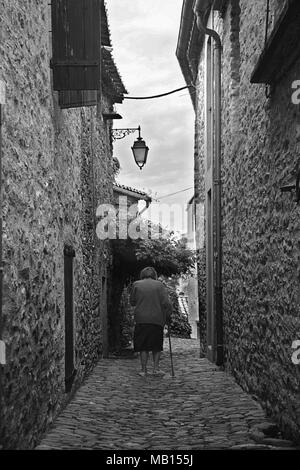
pixel 130 204
pixel 57 168
pixel 130 198
pixel 260 144
pixel 188 285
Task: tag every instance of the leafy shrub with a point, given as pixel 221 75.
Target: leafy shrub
pixel 179 325
pixel 127 323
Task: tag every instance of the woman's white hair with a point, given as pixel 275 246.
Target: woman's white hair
pixel 148 272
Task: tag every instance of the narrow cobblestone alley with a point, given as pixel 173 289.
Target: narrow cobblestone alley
pixel 116 409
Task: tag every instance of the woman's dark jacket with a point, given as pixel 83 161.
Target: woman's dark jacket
pixel 151 301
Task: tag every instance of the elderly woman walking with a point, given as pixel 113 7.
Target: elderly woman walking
pixel 152 311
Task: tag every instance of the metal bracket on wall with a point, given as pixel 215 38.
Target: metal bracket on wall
pixel 294 185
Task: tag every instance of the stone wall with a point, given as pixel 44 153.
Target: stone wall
pixel 57 168
pixel 261 250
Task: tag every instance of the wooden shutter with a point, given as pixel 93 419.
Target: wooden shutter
pixel 76 47
pixel 77 98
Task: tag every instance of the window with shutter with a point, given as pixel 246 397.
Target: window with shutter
pixel 76 32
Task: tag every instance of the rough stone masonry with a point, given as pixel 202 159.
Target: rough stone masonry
pixel 260 224
pixel 57 167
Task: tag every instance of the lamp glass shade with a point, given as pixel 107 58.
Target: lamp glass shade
pixel 140 152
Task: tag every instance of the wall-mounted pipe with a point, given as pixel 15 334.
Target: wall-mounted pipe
pixel 200 9
pixel 2 344
pixel 148 202
pixel 1 189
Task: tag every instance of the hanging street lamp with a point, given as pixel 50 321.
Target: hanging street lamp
pixel 140 151
pixel 139 148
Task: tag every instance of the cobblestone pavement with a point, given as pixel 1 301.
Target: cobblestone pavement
pixel 200 408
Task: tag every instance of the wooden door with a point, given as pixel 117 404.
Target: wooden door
pixel 69 318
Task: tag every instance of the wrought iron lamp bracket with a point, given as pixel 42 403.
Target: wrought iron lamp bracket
pixel 121 133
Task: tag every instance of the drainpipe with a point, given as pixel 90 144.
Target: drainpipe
pixel 148 202
pixel 200 9
pixel 2 345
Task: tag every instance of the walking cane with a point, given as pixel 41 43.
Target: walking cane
pixel 172 367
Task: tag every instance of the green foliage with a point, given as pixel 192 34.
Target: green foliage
pixel 127 323
pixel 179 325
pixel 166 254
pixel 116 166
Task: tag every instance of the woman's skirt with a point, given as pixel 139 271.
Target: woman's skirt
pixel 148 337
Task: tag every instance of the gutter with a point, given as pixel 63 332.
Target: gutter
pixel 187 18
pixel 201 8
pixel 189 41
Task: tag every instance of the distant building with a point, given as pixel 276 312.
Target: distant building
pixel 57 169
pixel 126 202
pixel 247 174
pixel 132 195
pixel 188 286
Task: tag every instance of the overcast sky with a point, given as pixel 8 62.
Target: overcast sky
pixel 144 35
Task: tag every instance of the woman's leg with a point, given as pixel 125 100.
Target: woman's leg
pixel 156 358
pixel 144 355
